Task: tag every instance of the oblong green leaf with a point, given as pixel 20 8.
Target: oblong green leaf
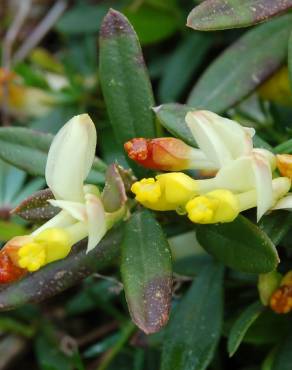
pixel 269 328
pixel 124 80
pixel 146 272
pixel 214 15
pixel 290 58
pixel 27 149
pixel 276 225
pixel 58 276
pixel 195 326
pixel 240 245
pixel 285 147
pixel 178 67
pixel 283 355
pixel 172 117
pixel 82 19
pixel 154 21
pixel 241 325
pixel 243 66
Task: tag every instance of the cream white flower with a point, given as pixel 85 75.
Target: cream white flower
pixel 82 212
pixel 229 146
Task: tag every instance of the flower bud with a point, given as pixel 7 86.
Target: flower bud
pixel 284 165
pixel 281 299
pixel 267 284
pixel 166 154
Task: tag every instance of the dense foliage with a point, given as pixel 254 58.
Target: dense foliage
pixel 158 291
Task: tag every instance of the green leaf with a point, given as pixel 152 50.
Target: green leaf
pixel 82 19
pixel 11 183
pixel 219 15
pixel 124 80
pixel 285 147
pixel 146 272
pixel 290 58
pixel 48 352
pixel 172 117
pixel 195 326
pixel 102 346
pixel 269 328
pixel 241 325
pixel 283 356
pixel 27 149
pixel 240 245
pixel 36 208
pixel 258 142
pixel 154 21
pixel 58 276
pixel 276 225
pixel 243 66
pixel 178 70
pixel 9 230
pixel 11 325
pixel 269 360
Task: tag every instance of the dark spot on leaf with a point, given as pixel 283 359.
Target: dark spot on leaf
pixel 36 207
pixel 115 24
pixel 157 301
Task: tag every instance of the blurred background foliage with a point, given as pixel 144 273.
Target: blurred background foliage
pixel 51 51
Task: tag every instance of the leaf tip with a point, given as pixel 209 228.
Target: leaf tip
pixel 114 24
pixel 156 109
pixel 157 299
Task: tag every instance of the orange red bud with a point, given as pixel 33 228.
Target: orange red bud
pixel 284 164
pixel 281 300
pixel 9 272
pixel 166 154
pixel 9 269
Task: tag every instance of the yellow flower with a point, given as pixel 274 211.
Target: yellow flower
pixel 48 246
pixel 223 205
pixel 166 192
pixel 216 206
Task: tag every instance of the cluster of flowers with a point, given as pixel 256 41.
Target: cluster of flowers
pixel 82 214
pixel 240 176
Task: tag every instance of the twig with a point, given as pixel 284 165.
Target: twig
pixel 40 31
pixel 8 42
pixel 13 31
pixel 118 286
pixel 97 333
pixel 11 347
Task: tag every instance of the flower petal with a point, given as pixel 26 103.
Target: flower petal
pixel 62 219
pixel 284 203
pixel 96 220
pixel 220 138
pixel 236 176
pixel 74 209
pixel 263 184
pixel 70 158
